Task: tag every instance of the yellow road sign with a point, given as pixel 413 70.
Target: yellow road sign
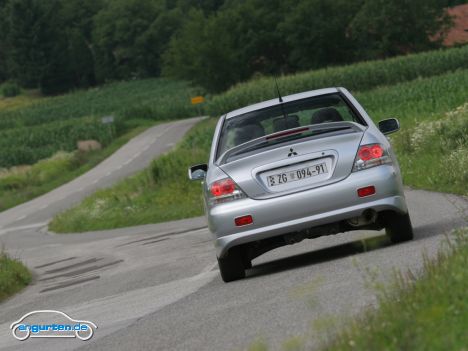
pixel 198 100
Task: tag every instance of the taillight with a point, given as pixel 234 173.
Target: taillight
pixel 223 187
pixel 369 152
pixel 225 190
pixel 370 156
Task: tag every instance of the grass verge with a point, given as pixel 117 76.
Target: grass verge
pixel 424 314
pixel 153 195
pixel 24 183
pixel 13 276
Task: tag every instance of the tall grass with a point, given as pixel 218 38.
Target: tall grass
pixel 427 314
pixel 13 276
pixel 434 153
pixel 356 77
pixel 418 100
pixel 41 128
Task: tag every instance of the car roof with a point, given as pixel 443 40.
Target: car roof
pixel 275 101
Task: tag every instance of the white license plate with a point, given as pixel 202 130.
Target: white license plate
pixel 298 174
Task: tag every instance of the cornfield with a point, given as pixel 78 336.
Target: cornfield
pixel 41 128
pixel 357 77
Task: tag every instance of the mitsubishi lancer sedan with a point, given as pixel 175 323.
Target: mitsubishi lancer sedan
pixel 299 167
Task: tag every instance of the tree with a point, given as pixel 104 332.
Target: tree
pixel 124 39
pixel 229 46
pixel 26 22
pixel 384 28
pixel 77 17
pixel 315 31
pixel 3 44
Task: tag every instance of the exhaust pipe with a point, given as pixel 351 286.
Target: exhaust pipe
pixel 368 216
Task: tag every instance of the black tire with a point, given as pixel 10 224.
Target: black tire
pixel 232 266
pixel 398 227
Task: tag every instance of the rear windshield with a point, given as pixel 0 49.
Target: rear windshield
pixel 253 125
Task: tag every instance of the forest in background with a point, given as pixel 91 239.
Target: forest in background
pixel 60 45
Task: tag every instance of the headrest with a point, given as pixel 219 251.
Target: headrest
pixel 327 114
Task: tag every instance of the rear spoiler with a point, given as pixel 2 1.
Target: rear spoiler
pixel 322 127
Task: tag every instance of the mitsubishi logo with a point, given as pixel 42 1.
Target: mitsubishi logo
pixel 292 152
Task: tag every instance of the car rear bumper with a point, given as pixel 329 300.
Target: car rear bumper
pixel 306 209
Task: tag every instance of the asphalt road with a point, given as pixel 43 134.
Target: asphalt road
pixel 157 287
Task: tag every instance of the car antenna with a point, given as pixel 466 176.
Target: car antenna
pixel 281 101
pixel 277 89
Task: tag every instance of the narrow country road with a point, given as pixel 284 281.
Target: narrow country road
pixel 132 157
pixel 157 287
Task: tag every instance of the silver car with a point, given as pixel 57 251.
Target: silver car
pixel 297 167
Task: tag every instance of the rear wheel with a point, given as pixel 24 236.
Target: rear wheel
pixel 398 227
pixel 232 266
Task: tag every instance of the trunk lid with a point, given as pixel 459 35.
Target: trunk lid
pixel 296 165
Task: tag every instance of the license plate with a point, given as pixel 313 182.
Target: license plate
pixel 297 174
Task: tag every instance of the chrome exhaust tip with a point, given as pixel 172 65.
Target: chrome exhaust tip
pixel 368 216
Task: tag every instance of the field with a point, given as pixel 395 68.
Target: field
pixel 34 129
pixel 39 129
pixel 357 77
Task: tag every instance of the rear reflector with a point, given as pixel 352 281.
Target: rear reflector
pixel 244 220
pixel 367 191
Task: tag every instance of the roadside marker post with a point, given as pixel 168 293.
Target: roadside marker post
pixel 109 120
pixel 198 100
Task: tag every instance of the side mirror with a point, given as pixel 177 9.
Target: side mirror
pixel 388 126
pixel 198 172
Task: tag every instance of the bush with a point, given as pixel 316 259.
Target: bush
pixel 10 89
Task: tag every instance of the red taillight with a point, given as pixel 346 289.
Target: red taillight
pixel 244 220
pixel 223 187
pixel 367 191
pixel 369 152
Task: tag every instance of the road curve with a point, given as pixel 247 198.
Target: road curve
pixel 130 158
pixel 157 287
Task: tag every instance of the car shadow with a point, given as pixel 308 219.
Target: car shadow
pixel 441 227
pixel 319 256
pixel 421 232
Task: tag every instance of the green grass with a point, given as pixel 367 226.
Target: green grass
pixel 418 100
pixel 23 183
pixel 38 128
pixel 153 195
pixel 357 77
pixel 434 153
pixel 427 314
pixel 13 276
pixel 34 129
